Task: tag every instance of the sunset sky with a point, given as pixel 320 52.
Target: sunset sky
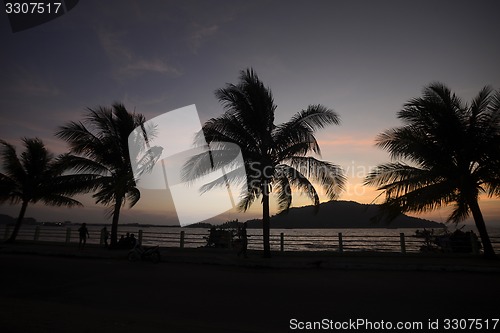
pixel 363 59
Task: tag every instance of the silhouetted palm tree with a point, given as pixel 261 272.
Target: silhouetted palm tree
pixel 101 143
pixel 276 156
pixel 36 175
pixel 452 154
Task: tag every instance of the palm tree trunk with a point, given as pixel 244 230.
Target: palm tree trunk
pixel 19 221
pixel 114 224
pixel 266 222
pixel 481 228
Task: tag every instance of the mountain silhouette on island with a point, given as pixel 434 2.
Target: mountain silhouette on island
pixel 341 214
pixel 6 219
pixel 9 220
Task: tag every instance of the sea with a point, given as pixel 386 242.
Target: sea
pixel 379 239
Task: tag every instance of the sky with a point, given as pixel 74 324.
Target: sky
pixel 364 59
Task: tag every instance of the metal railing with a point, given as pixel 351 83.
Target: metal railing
pixel 339 242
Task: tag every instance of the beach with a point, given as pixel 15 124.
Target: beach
pixel 81 293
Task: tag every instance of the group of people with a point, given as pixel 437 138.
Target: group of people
pixel 83 233
pixel 126 242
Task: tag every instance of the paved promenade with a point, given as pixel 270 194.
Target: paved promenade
pixel 54 288
pixel 303 260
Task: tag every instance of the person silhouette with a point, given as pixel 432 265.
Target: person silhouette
pixel 244 241
pixel 133 241
pixel 84 233
pixel 105 236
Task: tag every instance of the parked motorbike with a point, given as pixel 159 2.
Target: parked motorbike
pixel 140 252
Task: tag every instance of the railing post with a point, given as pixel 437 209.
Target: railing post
pixel 7 231
pixel 282 242
pixel 37 233
pixel 341 245
pixel 101 239
pixel 182 239
pixel 68 235
pixel 140 237
pixel 402 242
pixel 474 244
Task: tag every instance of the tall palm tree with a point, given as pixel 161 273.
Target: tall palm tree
pixel 276 157
pixel 36 175
pixel 101 145
pixel 446 152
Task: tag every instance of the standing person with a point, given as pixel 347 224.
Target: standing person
pixel 244 241
pixel 84 233
pixel 105 236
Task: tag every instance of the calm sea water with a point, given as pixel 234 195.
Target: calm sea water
pixel 294 239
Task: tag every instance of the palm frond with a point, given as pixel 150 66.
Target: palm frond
pixel 329 176
pixel 248 197
pixel 80 164
pixel 60 200
pixel 315 117
pixel 235 177
pixel 400 178
pixel 106 194
pixel 479 105
pixel 9 190
pixel 298 181
pixel 228 128
pixel 133 196
pixel 460 212
pixel 81 140
pixel 296 137
pixel 283 189
pixel 219 156
pixel 72 184
pixel 10 162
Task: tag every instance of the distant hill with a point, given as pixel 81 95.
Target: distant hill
pixel 340 214
pixel 6 219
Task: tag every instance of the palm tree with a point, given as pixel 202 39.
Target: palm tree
pixel 276 157
pixel 100 144
pixel 446 152
pixel 36 175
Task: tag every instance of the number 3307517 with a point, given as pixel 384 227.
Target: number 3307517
pixel 32 7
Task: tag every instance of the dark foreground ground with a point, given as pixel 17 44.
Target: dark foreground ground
pixel 78 294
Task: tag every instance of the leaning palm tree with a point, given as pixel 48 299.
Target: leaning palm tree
pixel 100 144
pixel 37 175
pixel 276 157
pixel 447 152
